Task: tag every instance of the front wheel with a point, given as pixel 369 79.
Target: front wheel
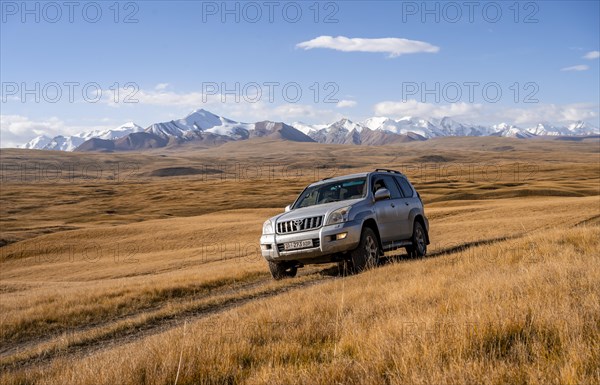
pixel 419 242
pixel 366 255
pixel 282 270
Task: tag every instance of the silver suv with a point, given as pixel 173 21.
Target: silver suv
pixel 349 219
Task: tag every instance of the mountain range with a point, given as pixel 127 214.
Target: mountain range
pixel 204 128
pixel 72 142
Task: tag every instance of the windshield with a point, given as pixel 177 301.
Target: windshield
pixel 332 192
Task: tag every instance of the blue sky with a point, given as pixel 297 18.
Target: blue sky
pixel 179 56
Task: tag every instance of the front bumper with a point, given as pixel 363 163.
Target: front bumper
pixel 324 243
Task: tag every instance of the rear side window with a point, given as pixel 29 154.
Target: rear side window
pixel 386 181
pixel 405 186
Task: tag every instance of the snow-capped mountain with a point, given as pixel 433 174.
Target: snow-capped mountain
pixel 450 127
pixel 509 131
pixel 200 128
pixel 203 128
pixel 381 123
pixel 404 126
pixel 582 128
pixel 201 121
pixel 114 133
pixel 306 129
pixel 578 128
pixel 548 129
pixel 38 143
pixel 343 125
pixel 58 143
pixel 65 143
pixel 344 131
pixel 432 128
pixel 348 125
pixel 70 143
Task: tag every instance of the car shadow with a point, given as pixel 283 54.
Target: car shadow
pixel 334 271
pixel 337 271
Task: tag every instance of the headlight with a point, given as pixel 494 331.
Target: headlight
pixel 338 216
pixel 268 227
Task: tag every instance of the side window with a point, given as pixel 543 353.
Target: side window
pixel 386 181
pixel 405 186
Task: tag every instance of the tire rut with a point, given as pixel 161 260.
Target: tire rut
pixel 155 326
pixel 9 347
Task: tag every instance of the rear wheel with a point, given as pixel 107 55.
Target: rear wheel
pixel 282 270
pixel 419 242
pixel 366 255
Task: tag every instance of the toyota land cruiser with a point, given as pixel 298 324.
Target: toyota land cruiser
pixel 350 219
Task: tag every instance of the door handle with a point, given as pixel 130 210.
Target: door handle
pixel 393 205
pixel 406 203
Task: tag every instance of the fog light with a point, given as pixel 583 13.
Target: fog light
pixel 340 236
pixel 265 247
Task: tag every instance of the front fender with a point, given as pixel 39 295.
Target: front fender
pixel 365 215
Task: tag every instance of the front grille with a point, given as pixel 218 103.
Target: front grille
pixel 297 225
pixel 316 243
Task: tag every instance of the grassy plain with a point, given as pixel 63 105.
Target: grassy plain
pixel 144 268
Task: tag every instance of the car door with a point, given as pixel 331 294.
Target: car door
pixel 408 202
pixel 386 210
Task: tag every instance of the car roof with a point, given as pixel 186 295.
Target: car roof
pixel 342 177
pixel 352 176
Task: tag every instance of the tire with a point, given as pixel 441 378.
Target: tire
pixel 418 249
pixel 282 270
pixel 366 255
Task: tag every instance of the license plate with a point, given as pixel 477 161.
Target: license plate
pixel 298 244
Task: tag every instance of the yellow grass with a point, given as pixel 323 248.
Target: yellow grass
pixel 103 277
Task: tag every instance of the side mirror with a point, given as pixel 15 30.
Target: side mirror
pixel 288 208
pixel 382 194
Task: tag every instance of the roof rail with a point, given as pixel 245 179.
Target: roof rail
pixel 388 170
pixel 327 177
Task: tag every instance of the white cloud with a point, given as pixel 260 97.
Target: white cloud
pixel 18 130
pixel 392 45
pixel 18 125
pixel 427 110
pixel 580 67
pixel 346 103
pixel 491 114
pixel 592 55
pixel 161 86
pixel 555 113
